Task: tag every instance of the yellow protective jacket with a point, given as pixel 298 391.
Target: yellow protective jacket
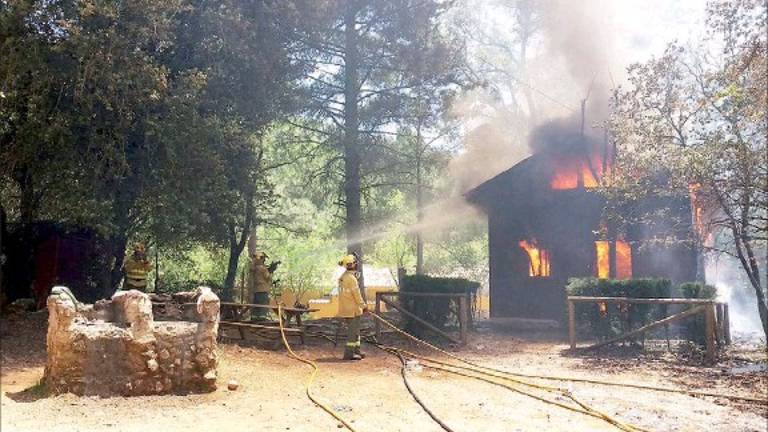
pixel 351 303
pixel 136 272
pixel 259 279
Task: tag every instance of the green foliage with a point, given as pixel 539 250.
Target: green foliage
pixel 434 310
pixel 617 318
pixel 693 328
pixel 696 290
pixel 308 259
pixel 186 269
pixel 696 116
pixel 175 123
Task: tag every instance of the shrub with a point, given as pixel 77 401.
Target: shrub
pixel 693 328
pixel 617 318
pixel 434 310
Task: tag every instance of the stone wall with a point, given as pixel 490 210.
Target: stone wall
pixel 117 348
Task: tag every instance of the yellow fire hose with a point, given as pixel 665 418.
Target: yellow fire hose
pixel 599 382
pixel 760 401
pixel 308 385
pixel 479 370
pixel 482 373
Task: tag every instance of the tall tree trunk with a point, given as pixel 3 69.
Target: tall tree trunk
pixel 237 245
pixel 745 253
pixel 419 202
pixel 351 144
pixel 124 201
pixel 229 280
pixel 117 243
pixel 2 252
pixel 253 241
pixel 762 308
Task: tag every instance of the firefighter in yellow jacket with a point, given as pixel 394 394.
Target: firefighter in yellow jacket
pixel 351 307
pixel 136 269
pixel 259 284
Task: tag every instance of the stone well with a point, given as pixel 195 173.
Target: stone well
pixel 117 347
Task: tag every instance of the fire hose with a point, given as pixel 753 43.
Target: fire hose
pixel 308 384
pixel 759 401
pixel 478 370
pixel 485 374
pixel 581 409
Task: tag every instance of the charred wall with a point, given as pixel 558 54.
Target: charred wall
pixel 566 224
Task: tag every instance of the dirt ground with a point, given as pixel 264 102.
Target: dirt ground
pixel 372 396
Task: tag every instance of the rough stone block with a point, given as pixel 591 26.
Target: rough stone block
pixel 116 347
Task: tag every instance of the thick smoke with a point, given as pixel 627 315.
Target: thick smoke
pixel 581 33
pixel 563 136
pixel 571 58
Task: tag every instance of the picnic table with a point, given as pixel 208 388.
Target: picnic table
pixel 238 317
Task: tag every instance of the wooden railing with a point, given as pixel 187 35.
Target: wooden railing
pixel 717 327
pixel 463 299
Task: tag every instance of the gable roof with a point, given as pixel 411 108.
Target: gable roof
pixel 490 189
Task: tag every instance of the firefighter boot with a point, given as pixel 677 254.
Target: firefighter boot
pixel 350 354
pixel 358 353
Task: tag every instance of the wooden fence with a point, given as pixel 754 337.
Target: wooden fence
pixel 463 299
pixel 717 327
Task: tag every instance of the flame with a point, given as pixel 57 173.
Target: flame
pixel 573 172
pixel 603 250
pixel 699 218
pixel 538 259
pixel 623 259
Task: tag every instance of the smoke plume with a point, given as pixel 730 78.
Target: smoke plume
pixel 570 59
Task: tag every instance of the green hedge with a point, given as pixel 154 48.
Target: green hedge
pixel 693 328
pixel 436 311
pixel 618 318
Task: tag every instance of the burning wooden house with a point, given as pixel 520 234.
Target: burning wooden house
pixel 546 224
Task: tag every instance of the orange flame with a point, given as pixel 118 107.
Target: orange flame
pixel 538 259
pixel 699 218
pixel 603 250
pixel 623 259
pixel 573 172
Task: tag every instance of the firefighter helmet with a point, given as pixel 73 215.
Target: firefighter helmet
pixel 347 260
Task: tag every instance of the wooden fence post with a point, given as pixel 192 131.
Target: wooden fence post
pixel 571 324
pixel 377 309
pixel 709 331
pixel 463 319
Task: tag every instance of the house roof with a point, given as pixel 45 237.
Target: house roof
pixel 486 191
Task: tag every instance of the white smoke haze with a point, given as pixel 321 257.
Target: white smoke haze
pixel 725 273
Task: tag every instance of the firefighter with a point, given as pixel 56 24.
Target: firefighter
pixel 259 284
pixel 351 307
pixel 136 269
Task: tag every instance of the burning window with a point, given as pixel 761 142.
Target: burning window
pixel 538 259
pixel 623 260
pixel 573 172
pixel 603 250
pixel 623 253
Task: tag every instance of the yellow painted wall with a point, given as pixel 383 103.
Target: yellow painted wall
pixel 330 305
